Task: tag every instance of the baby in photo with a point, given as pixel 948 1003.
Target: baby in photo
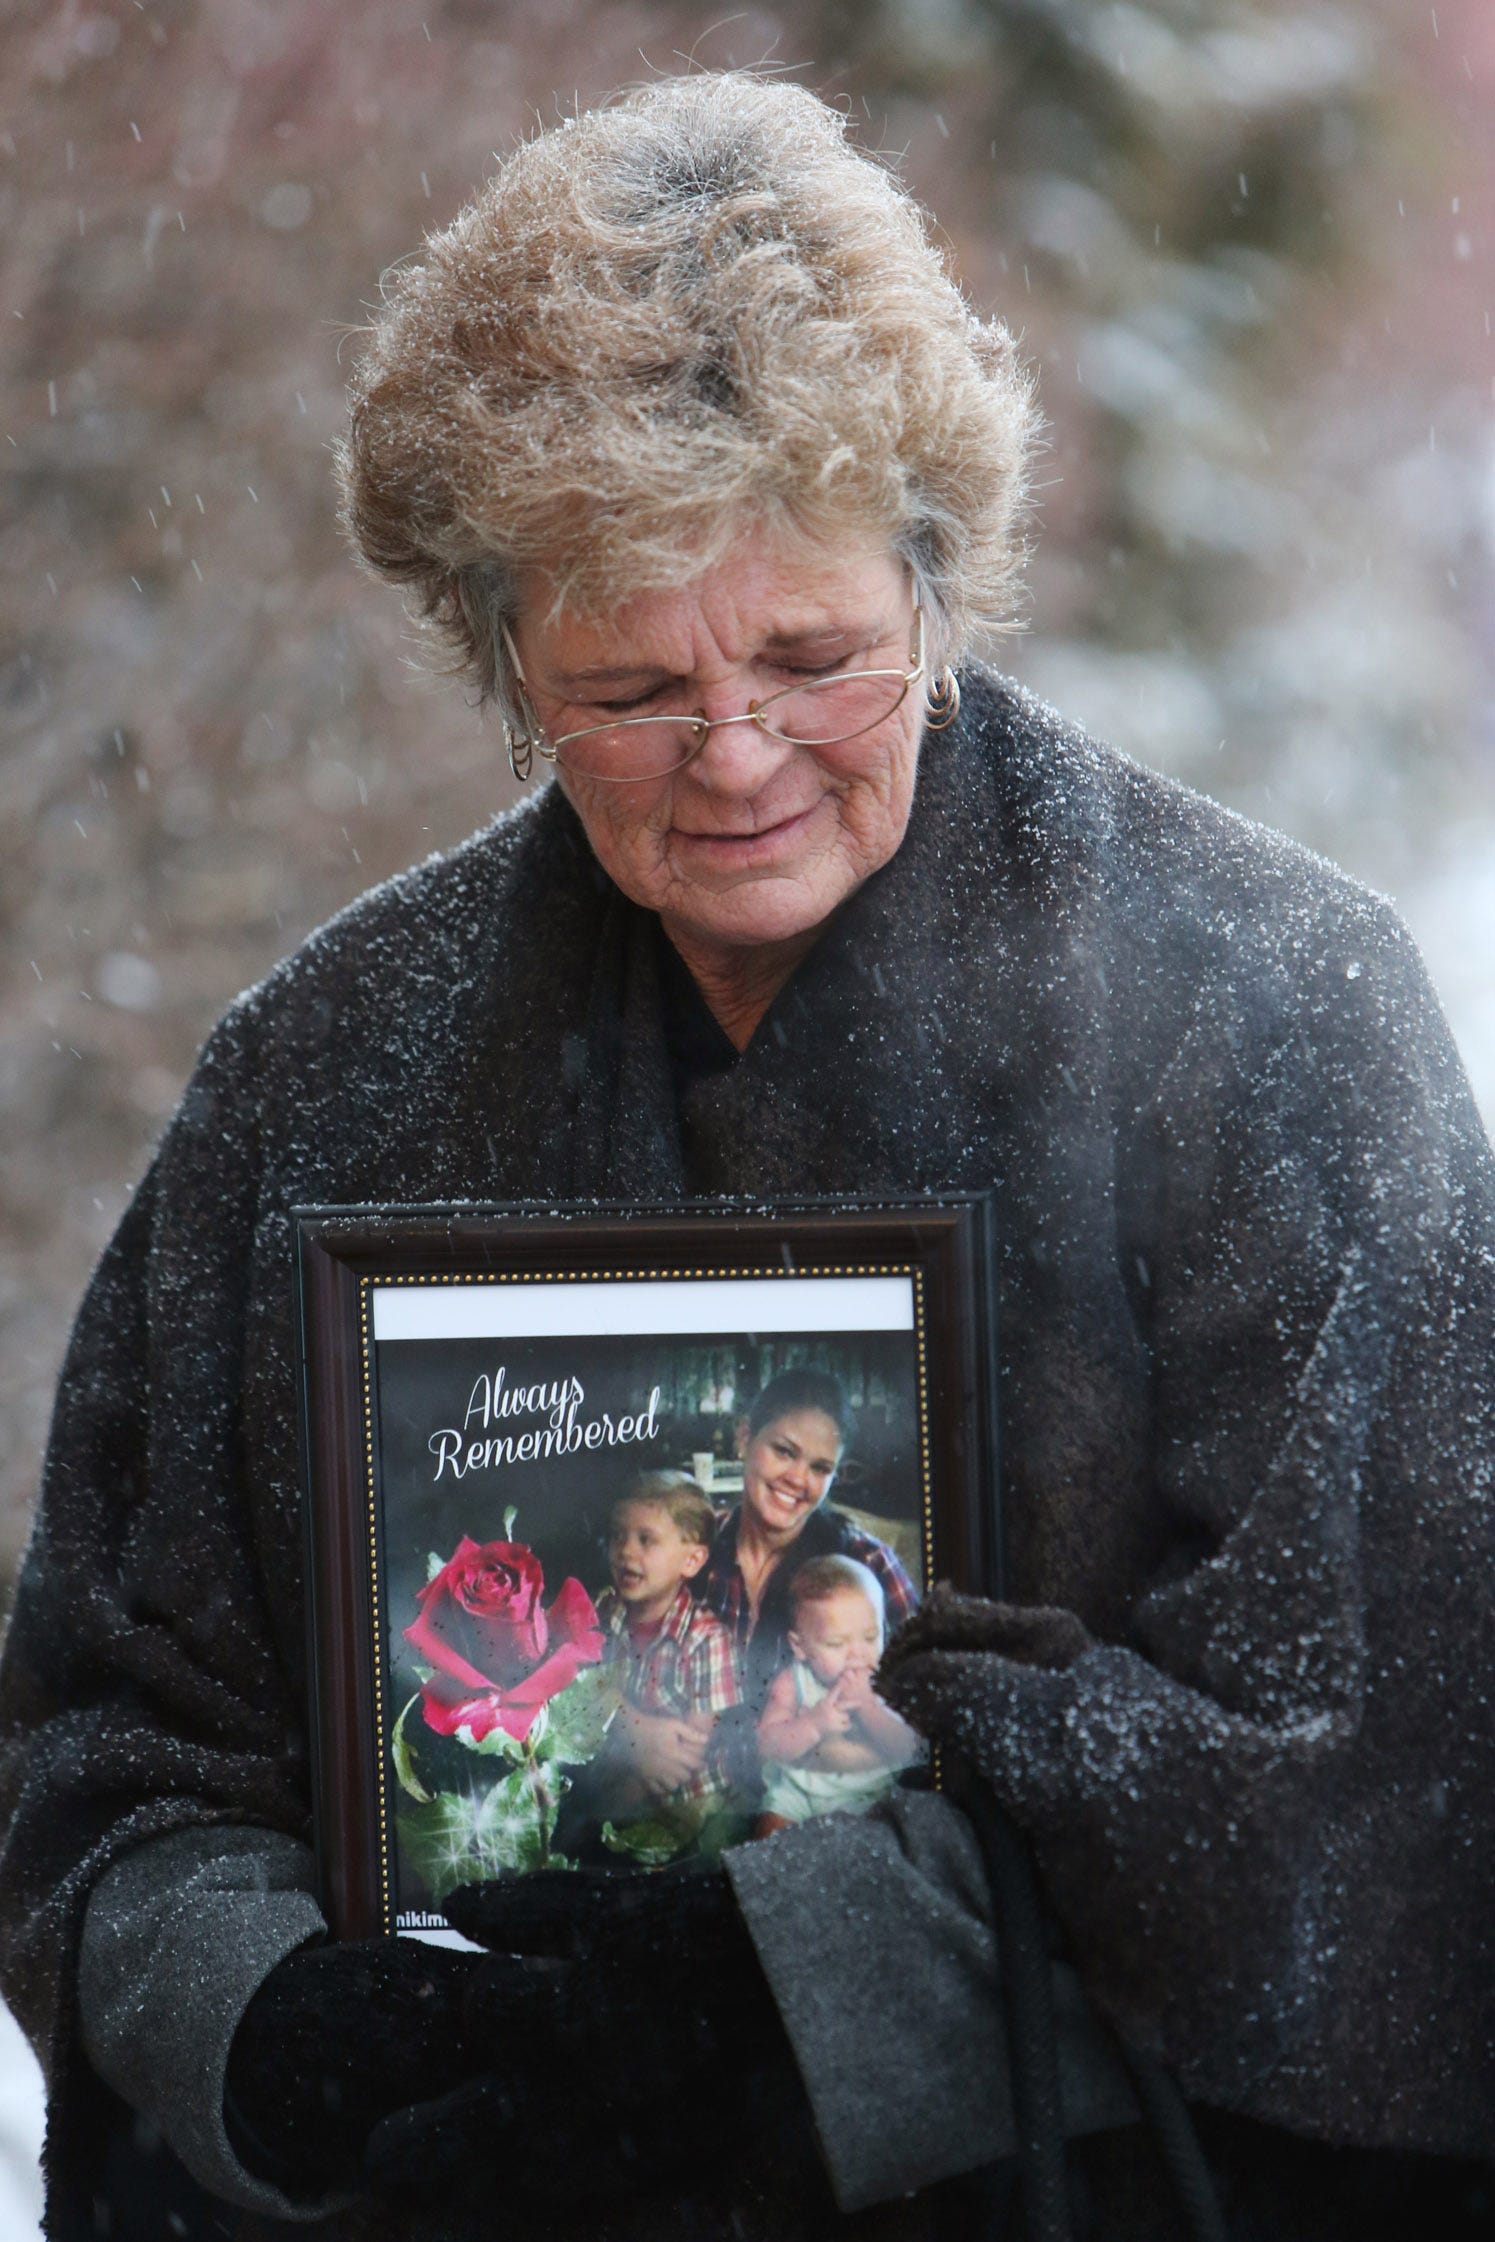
pixel 828 1744
pixel 675 1661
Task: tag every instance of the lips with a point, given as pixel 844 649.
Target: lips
pixel 763 841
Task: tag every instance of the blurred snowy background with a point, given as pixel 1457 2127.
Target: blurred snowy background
pixel 1248 243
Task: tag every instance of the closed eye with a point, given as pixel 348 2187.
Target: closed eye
pixel 641 704
pixel 831 665
pixel 631 707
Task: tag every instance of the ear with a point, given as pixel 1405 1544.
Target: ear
pixel 694 1558
pixel 792 1638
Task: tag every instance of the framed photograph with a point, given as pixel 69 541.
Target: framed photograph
pixel 610 1513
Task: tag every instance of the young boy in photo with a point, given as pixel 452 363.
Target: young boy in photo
pixel 675 1661
pixel 828 1744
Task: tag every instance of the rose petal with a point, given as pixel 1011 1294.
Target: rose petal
pixel 506 1646
pixel 480 1713
pixel 490 1638
pixel 573 1616
pixel 517 1594
pixel 518 1706
pixel 459 1693
pixel 454 1567
pixel 425 1638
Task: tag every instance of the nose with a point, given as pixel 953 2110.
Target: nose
pixel 739 757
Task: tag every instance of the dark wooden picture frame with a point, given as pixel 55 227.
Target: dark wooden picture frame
pixel 349 1260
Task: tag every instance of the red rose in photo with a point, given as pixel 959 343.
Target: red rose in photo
pixel 498 1655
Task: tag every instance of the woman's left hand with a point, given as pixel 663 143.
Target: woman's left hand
pixel 939 1665
pixel 1029 1634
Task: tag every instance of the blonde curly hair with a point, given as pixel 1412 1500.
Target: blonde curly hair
pixel 693 313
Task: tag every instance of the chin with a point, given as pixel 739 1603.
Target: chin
pixel 747 916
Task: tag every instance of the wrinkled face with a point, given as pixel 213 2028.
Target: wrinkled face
pixel 755 841
pixel 836 1635
pixel 648 1555
pixel 787 1469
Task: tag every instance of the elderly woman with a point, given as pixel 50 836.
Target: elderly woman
pixel 695 458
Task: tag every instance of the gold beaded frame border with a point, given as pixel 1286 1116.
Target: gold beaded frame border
pixel 366 1285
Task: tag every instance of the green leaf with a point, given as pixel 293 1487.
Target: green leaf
pixel 727 1825
pixel 652 1841
pixel 433 1565
pixel 700 1827
pixel 497 1744
pixel 472 1836
pixel 510 1515
pixel 400 1753
pixel 577 1719
pixel 437 1842
pixel 515 1824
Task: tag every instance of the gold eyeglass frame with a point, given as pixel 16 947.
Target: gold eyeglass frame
pixel 943 708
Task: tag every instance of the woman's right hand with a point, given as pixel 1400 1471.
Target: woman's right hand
pixel 666 1750
pixel 337 2038
pixel 603 2001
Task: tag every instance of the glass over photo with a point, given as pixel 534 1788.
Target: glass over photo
pixel 640 1544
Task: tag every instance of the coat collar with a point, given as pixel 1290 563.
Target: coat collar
pixel 955 988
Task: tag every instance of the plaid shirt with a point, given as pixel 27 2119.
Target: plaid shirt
pixel 720 1584
pixel 689 1666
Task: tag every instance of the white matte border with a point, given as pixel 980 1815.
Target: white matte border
pixel 660 1307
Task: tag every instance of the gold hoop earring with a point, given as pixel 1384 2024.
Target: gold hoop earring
pixel 521 753
pixel 522 746
pixel 942 700
pixel 525 745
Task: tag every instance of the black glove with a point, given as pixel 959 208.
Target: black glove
pixel 944 1668
pixel 607 2001
pixel 336 2038
pixel 681 1918
pixel 950 1623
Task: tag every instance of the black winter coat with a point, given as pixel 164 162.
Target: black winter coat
pixel 1247 1381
